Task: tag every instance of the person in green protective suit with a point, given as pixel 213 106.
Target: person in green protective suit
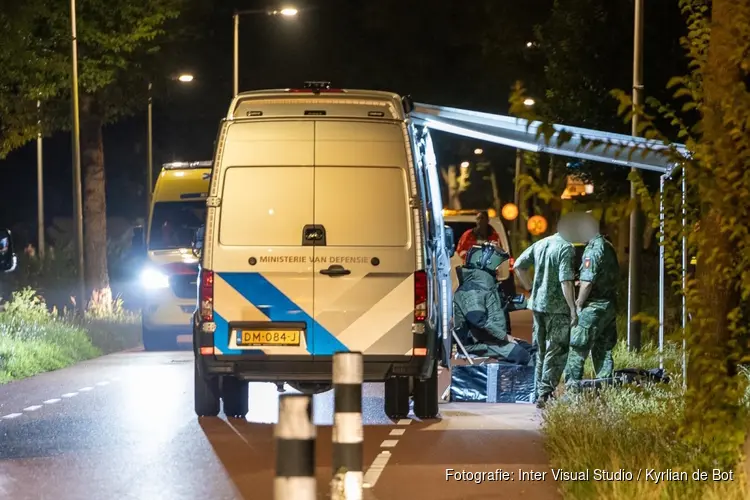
pixel 596 331
pixel 552 304
pixel 478 310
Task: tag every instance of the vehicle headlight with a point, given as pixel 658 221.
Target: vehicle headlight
pixel 153 279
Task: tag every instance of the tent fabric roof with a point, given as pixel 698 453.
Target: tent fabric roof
pixel 585 144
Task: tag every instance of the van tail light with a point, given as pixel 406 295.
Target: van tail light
pixel 420 296
pixel 206 295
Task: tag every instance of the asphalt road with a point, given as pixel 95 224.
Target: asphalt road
pixel 122 427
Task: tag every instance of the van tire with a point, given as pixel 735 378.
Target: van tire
pixel 206 394
pixel 234 393
pixel 426 397
pixel 396 397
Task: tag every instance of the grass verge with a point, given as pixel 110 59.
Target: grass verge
pixel 35 340
pixel 629 429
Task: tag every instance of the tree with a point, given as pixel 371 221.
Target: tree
pixel 579 50
pixel 117 45
pixel 713 123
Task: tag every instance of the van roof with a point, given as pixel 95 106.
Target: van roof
pixel 186 183
pixel 356 103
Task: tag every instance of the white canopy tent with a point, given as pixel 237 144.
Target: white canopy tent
pixel 574 142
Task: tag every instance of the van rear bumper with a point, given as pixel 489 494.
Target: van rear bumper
pixel 305 368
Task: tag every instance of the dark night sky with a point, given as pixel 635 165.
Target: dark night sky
pixel 328 43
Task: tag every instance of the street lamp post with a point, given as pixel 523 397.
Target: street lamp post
pixel 77 191
pixel 39 183
pixel 521 230
pixel 184 78
pixel 150 152
pixel 285 12
pixel 635 244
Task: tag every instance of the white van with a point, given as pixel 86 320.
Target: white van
pixel 323 234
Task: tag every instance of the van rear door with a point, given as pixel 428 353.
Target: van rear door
pixel 364 268
pixel 263 287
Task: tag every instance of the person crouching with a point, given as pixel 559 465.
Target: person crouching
pixel 479 317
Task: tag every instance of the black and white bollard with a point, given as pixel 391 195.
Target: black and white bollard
pixel 295 449
pixel 348 433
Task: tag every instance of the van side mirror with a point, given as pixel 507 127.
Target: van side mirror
pixel 450 242
pixel 197 243
pixel 408 104
pixel 8 260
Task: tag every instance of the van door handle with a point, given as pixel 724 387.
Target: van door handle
pixel 335 270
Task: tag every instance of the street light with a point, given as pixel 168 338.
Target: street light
pixel 528 102
pixel 184 78
pixel 288 12
pixel 465 164
pixel 478 151
pixel 77 190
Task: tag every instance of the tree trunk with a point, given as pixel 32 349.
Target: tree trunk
pixel 713 405
pixel 623 238
pixel 451 178
pixel 95 203
pixel 496 200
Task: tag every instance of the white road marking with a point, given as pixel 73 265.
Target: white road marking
pixel 56 400
pixel 397 432
pixel 376 469
pixel 404 421
pixel 389 443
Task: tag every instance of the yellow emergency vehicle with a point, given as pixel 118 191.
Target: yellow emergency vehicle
pixel 168 280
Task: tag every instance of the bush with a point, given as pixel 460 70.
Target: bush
pixel 34 339
pixel 631 428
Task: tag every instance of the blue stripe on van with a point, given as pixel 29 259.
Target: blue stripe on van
pixel 221 338
pixel 259 291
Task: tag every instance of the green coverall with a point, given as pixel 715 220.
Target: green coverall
pixel 552 258
pixel 596 331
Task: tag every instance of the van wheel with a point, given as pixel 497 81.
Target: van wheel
pixel 206 394
pixel 426 396
pixel 310 388
pixel 235 395
pixel 396 398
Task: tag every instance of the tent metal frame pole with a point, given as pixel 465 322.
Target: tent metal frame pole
pixel 662 271
pixel 684 281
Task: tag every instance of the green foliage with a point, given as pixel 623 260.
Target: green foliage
pixel 117 43
pixel 631 428
pixel 33 340
pixel 714 94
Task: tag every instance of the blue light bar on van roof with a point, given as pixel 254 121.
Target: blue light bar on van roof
pixel 178 165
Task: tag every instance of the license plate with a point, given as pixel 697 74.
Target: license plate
pixel 184 339
pixel 268 337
